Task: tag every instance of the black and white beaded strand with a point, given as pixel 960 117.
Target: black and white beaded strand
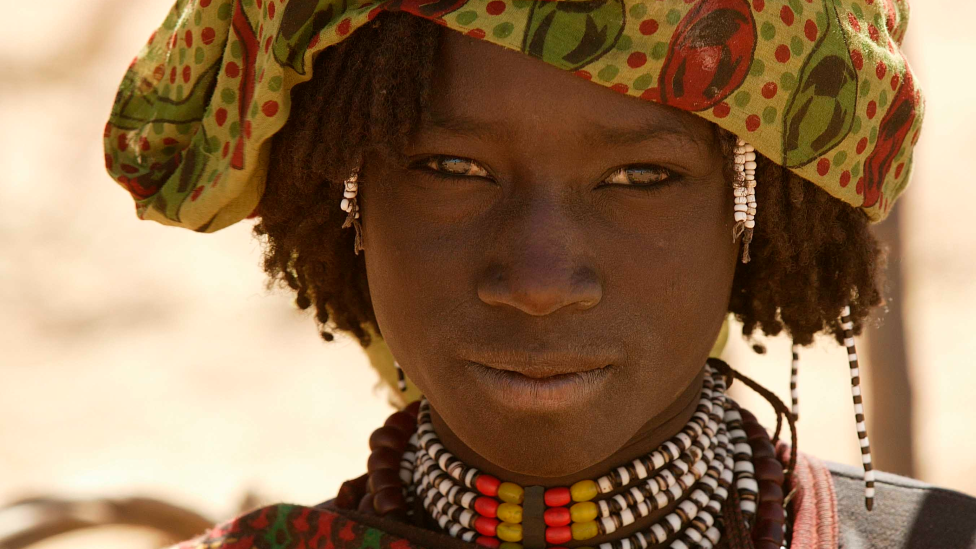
pixel 862 431
pixel 794 379
pixel 401 378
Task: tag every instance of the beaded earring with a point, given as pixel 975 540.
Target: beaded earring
pixel 350 205
pixel 744 190
pixel 862 432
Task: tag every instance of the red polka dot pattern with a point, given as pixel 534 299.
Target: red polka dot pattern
pixel 648 27
pixel 764 67
pixel 782 53
pixel 786 14
pixel 752 122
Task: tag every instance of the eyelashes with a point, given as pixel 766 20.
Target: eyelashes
pixel 641 176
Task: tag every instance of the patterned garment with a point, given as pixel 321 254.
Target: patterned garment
pixel 818 86
pixel 286 526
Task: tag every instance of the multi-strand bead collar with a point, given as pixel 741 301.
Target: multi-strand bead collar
pixel 721 458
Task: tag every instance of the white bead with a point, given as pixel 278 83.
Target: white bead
pixel 746 466
pixel 739 207
pixel 350 186
pixel 749 148
pixel 344 204
pixel 751 165
pixel 739 191
pixel 749 484
pixel 740 200
pixel 750 224
pixel 750 172
pixel 349 194
pixel 752 210
pixel 750 156
pixel 739 216
pixel 740 158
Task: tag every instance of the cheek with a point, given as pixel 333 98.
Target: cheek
pixel 671 270
pixel 417 278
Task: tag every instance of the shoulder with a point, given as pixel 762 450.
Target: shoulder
pixel 907 513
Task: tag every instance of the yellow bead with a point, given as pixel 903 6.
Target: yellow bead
pixel 507 531
pixel 510 545
pixel 509 512
pixel 584 511
pixel 510 492
pixel 584 490
pixel 584 530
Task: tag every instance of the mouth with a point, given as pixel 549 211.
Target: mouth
pixel 542 383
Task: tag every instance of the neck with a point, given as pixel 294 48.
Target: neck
pixel 649 437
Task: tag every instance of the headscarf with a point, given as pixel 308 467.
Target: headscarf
pixel 820 87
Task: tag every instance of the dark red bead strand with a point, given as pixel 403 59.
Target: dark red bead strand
pixel 384 483
pixel 768 531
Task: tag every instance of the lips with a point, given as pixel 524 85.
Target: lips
pixel 535 382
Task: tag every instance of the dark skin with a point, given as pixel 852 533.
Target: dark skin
pixel 555 293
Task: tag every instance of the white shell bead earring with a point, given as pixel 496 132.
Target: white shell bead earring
pixel 350 205
pixel 744 190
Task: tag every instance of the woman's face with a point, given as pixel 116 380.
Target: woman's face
pixel 554 263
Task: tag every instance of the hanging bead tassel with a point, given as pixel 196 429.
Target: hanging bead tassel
pixel 794 393
pixel 744 190
pixel 350 205
pixel 862 432
pixel 401 379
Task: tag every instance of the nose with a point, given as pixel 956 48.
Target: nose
pixel 540 265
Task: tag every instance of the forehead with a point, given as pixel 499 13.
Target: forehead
pixel 478 81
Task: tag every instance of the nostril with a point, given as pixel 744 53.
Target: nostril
pixel 541 291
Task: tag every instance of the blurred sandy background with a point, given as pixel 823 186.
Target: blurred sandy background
pixel 142 360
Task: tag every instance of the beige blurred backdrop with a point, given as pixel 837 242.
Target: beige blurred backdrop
pixel 142 360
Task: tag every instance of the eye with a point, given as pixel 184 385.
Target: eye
pixel 453 166
pixel 640 176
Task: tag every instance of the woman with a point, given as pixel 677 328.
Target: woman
pixel 551 261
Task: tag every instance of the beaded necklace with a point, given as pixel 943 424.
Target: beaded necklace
pixel 714 460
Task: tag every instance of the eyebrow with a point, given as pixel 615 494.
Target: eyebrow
pixel 486 130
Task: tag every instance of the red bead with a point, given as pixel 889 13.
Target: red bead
pixel 402 421
pixel 486 541
pixel 770 491
pixel 487 485
pixel 389 500
pixel 556 516
pixel 769 469
pixel 559 534
pixel 383 458
pixel 384 478
pixel 388 437
pixel 413 408
pixel 557 497
pixel 486 507
pixel 755 431
pixel 762 449
pixel 486 526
